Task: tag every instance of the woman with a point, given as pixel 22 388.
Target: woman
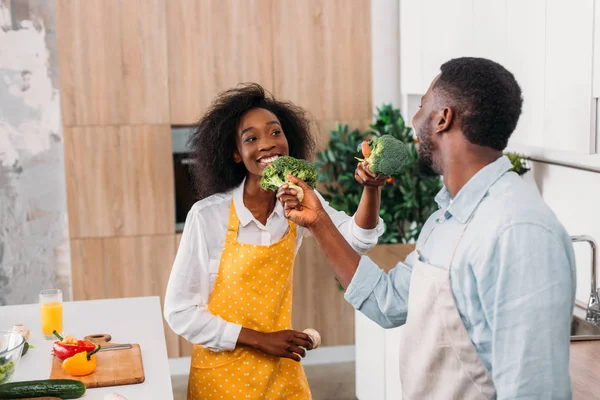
pixel 230 289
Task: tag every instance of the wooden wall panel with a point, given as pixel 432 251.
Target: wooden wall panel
pixel 317 301
pixel 322 56
pixel 119 180
pixel 144 53
pixel 213 46
pixel 124 267
pixel 90 61
pixel 112 58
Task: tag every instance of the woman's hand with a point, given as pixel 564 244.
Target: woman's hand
pixel 286 344
pixel 305 213
pixel 368 178
pixel 363 174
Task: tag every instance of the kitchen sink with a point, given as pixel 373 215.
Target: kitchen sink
pixel 583 330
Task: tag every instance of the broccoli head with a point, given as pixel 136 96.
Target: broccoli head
pixel 275 175
pixel 388 155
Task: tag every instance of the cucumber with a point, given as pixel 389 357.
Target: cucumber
pixel 61 388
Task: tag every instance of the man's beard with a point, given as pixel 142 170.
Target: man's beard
pixel 424 167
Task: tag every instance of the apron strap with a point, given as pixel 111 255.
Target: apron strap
pixel 234 223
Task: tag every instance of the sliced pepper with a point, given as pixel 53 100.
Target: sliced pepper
pixel 81 364
pixel 69 346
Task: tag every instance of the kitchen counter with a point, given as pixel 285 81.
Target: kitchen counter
pixel 585 370
pixel 129 320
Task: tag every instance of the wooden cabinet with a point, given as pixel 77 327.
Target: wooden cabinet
pixel 322 57
pixel 119 180
pixel 124 267
pixel 113 62
pixel 213 46
pixel 317 301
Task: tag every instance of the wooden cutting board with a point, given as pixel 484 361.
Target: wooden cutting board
pixel 113 367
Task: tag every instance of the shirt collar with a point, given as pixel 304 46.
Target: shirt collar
pixel 244 215
pixel 464 203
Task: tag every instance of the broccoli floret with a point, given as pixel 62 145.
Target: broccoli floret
pixel 275 175
pixel 388 155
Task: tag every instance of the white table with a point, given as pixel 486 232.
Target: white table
pixel 129 320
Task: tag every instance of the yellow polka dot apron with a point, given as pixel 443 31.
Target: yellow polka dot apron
pixel 253 289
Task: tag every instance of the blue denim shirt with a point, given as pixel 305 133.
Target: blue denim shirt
pixel 512 277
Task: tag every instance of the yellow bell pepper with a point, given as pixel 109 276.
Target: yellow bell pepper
pixel 81 364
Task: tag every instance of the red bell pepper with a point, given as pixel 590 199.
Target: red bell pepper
pixel 69 346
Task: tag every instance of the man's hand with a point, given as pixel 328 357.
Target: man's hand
pixel 306 213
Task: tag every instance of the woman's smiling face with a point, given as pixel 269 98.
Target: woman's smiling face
pixel 259 140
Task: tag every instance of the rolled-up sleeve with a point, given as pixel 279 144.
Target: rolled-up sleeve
pixel 532 287
pixel 361 240
pixel 381 297
pixel 188 291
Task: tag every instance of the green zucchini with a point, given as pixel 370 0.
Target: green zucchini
pixel 61 388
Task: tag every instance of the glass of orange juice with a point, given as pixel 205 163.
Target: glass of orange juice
pixel 51 312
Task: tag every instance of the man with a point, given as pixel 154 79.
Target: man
pixel 486 298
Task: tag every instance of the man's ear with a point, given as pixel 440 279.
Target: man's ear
pixel 236 156
pixel 445 120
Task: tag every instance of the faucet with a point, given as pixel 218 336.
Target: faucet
pixel 593 308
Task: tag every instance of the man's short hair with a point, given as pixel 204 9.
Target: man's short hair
pixel 486 99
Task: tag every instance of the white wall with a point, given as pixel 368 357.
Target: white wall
pixel 573 195
pixel 385 67
pixel 34 237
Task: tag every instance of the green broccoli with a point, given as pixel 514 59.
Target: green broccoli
pixel 387 155
pixel 275 175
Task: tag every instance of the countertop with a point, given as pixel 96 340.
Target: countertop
pixel 128 320
pixel 585 370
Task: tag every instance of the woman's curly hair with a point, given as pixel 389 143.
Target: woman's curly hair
pixel 213 139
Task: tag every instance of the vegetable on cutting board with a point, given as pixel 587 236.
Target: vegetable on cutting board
pixel 81 364
pixel 69 346
pixel 61 388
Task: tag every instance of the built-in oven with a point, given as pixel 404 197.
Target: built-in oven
pixel 185 195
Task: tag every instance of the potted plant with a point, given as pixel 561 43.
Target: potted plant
pixel 407 199
pixel 519 162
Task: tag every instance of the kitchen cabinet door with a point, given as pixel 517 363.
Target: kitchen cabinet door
pixel 569 117
pixel 525 58
pixel 213 45
pixel 121 267
pixel 447 33
pixel 370 359
pixel 411 47
pixel 596 72
pixel 113 66
pixel 489 30
pixel 312 43
pixel 119 180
